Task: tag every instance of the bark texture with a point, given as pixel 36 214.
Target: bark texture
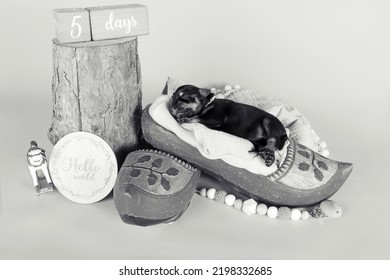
pixel 97 88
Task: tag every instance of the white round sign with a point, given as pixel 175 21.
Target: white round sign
pixel 83 167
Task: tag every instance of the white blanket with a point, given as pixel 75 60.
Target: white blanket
pixel 213 144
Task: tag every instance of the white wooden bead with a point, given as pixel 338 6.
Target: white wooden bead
pixel 325 153
pixel 295 214
pixel 249 206
pixel 230 199
pixel 261 209
pixel 305 215
pixel 211 193
pixel 238 204
pixel 203 192
pixel 228 87
pixel 272 212
pixel 237 87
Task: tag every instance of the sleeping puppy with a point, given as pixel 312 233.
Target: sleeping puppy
pixel 190 104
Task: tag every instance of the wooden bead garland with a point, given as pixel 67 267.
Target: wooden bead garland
pixel 326 208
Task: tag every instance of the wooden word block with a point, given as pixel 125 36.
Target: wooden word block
pixel 72 25
pixel 119 21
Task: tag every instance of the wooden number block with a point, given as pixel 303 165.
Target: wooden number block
pixel 119 21
pixel 72 25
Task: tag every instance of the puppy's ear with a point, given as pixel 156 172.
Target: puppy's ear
pixel 283 141
pixel 204 92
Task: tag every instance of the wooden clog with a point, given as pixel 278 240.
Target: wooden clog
pixel 305 178
pixel 153 187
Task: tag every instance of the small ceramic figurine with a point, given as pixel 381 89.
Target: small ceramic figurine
pixel 36 160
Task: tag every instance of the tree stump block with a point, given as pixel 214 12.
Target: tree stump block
pixel 97 88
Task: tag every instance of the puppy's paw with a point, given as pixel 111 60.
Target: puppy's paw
pixel 183 120
pixel 268 155
pixel 180 120
pixel 269 160
pixel 265 152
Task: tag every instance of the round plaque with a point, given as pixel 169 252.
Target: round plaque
pixel 83 167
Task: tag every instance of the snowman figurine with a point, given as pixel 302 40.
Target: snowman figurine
pixel 37 163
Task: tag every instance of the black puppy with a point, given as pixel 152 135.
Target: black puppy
pixel 190 104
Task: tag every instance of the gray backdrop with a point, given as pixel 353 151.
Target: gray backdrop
pixel 329 59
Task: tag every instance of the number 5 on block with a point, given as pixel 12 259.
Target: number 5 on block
pixel 72 25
